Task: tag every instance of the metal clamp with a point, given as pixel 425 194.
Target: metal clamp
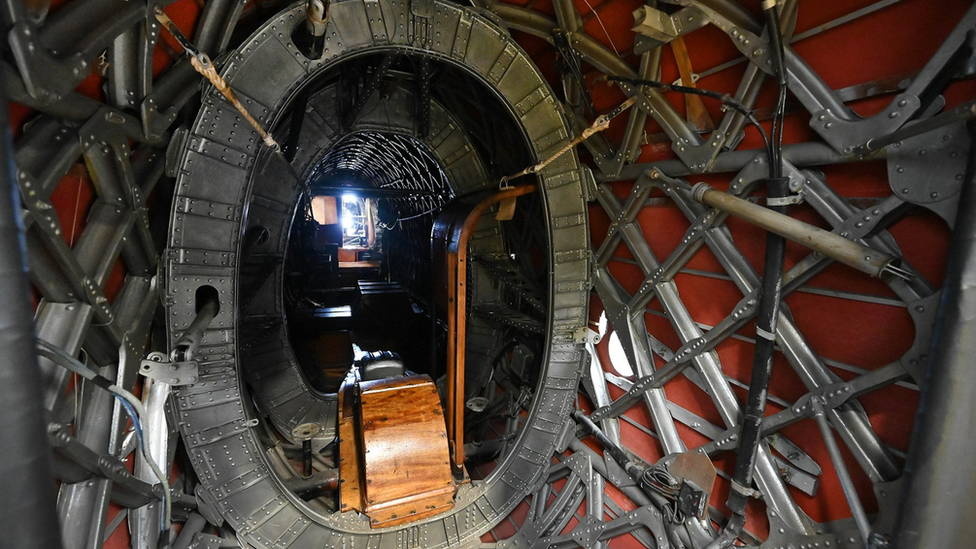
pixel 747 492
pixel 790 200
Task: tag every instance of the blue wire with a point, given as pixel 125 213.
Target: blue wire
pixel 138 428
pixel 135 420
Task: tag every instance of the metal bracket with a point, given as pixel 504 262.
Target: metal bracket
pixel 826 397
pixel 847 136
pixel 584 334
pixel 46 78
pixel 158 367
pixel 695 77
pixel 567 434
pixel 930 167
pixel 175 150
pixel 420 30
pixel 588 183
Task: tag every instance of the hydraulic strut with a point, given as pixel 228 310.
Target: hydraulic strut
pixel 772 218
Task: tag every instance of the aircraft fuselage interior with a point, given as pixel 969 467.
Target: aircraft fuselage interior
pixel 403 274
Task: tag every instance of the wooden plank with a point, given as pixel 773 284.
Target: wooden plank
pixel 694 106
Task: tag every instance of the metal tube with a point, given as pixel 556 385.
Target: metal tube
pixel 593 377
pixel 615 452
pixel 837 459
pixel 144 521
pixel 848 252
pixel 800 155
pixel 187 345
pixel 569 21
pixel 321 481
pixel 27 491
pixel 307 458
pixel 594 499
pixel 81 503
pixel 316 18
pixel 195 524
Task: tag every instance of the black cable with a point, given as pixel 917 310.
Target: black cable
pixel 568 61
pixel 723 98
pixel 644 476
pixel 133 407
pixel 777 52
pixel 769 305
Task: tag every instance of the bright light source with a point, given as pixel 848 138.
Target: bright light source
pixel 618 358
pixel 349 201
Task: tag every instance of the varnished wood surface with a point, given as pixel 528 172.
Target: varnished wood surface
pixel 406 461
pixel 457 309
pixel 350 471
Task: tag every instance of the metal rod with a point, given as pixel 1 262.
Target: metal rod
pixel 863 526
pixel 190 340
pixel 315 484
pixel 634 470
pixel 195 524
pixel 316 18
pixel 307 458
pixel 962 113
pixel 800 155
pixel 144 521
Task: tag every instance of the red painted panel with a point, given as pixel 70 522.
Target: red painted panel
pixel 894 41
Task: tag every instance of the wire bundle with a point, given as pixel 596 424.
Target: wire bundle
pixel 771 295
pixel 723 98
pixel 132 406
pixel 657 479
